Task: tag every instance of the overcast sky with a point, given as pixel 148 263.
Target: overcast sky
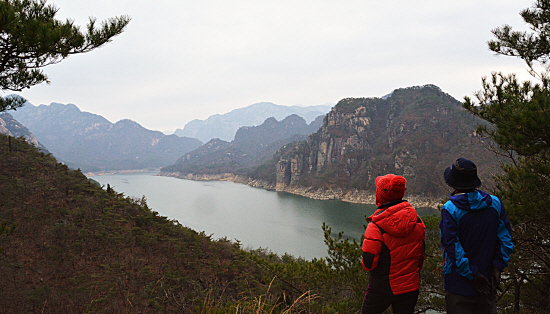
pixel 184 60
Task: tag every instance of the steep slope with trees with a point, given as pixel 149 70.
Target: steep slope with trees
pixel 77 248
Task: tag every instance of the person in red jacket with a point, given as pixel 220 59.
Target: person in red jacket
pixel 393 250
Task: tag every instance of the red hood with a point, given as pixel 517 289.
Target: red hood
pixel 398 220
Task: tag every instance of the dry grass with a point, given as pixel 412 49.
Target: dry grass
pixel 262 304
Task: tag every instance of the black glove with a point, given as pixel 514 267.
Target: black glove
pixel 481 285
pixel 495 278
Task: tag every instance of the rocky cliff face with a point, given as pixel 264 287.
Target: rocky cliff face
pixel 415 132
pixel 9 126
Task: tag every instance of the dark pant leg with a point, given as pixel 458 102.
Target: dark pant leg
pixel 405 303
pixel 375 303
pixel 459 304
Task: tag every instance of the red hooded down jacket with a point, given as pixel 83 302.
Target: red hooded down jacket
pixel 393 249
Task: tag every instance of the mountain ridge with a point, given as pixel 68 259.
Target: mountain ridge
pixel 92 143
pixel 225 126
pixel 252 146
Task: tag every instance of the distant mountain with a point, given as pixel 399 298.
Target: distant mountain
pixel 251 147
pixel 255 139
pixel 226 125
pixel 92 143
pixel 9 126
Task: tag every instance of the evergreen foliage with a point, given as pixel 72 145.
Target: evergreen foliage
pixel 31 38
pixel 519 123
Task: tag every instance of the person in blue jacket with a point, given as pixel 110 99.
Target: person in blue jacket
pixel 477 242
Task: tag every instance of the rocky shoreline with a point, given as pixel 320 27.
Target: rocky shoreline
pixel 352 196
pixel 104 173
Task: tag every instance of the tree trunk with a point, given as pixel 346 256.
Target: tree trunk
pixel 517 293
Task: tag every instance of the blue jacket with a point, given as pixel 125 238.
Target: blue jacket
pixel 475 235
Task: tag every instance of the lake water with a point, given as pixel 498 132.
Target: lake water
pixel 278 221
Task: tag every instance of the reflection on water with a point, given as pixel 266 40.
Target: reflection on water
pixel 278 221
pixel 204 205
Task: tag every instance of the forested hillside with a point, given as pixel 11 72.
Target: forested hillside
pixel 77 248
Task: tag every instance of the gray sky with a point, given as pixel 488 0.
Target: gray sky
pixel 184 60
